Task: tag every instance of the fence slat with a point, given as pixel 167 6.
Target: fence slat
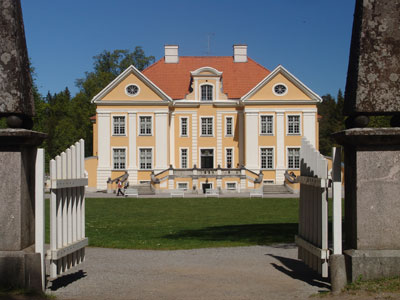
pixel 40 212
pixel 67 227
pixel 337 199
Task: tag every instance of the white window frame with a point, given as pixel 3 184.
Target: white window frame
pixel 231 182
pixel 152 158
pixel 287 157
pixel 232 124
pixel 279 95
pixel 126 157
pixel 273 124
pixel 182 182
pixel 273 157
pixel 113 125
pixel 212 93
pixel 126 92
pixel 187 127
pixel 201 127
pixel 187 157
pixel 287 124
pixel 151 122
pixel 233 157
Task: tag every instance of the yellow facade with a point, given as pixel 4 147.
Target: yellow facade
pixel 192 143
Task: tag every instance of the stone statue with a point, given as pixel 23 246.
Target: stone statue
pixel 16 98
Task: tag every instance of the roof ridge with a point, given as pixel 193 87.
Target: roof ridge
pixel 153 64
pixel 258 64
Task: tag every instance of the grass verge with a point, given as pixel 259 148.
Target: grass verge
pixel 188 223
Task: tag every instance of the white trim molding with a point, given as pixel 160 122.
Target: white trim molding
pixel 130 70
pixel 213 127
pixel 273 157
pixel 113 124
pixel 233 158
pixel 281 70
pixel 187 126
pixel 152 158
pixel 226 126
pixel 273 124
pixel 300 124
pixel 187 157
pixel 287 156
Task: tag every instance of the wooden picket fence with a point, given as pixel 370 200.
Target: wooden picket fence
pixel 312 238
pixel 67 210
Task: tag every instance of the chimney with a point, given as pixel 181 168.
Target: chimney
pixel 240 53
pixel 171 54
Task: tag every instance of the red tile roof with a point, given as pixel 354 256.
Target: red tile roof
pixel 237 78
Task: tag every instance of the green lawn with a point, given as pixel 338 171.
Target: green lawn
pixel 189 223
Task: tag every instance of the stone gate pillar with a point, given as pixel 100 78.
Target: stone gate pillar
pixel 20 266
pixel 372 155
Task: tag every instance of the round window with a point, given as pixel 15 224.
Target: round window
pixel 132 90
pixel 280 89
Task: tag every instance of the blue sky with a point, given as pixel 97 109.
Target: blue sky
pixel 310 38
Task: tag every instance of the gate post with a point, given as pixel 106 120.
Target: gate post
pixel 20 266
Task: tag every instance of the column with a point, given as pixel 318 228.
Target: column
pixel 309 126
pixel 161 130
pixel 172 140
pixel 194 140
pixel 251 130
pixel 241 139
pixel 280 147
pixel 104 150
pixel 132 156
pixel 219 139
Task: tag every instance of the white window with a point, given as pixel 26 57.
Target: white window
pixel 145 125
pixel 229 157
pixel 267 158
pixel 183 186
pixel 119 159
pixel 293 158
pixel 146 158
pixel 119 125
pixel 229 126
pixel 231 185
pixel 184 126
pixel 267 125
pixel 184 158
pixel 207 126
pixel 293 124
pixel 206 92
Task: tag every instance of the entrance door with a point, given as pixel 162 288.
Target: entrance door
pixel 206 186
pixel 207 158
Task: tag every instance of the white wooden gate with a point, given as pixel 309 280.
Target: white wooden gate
pixel 312 238
pixel 67 210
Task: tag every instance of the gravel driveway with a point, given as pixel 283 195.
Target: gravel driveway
pixel 256 272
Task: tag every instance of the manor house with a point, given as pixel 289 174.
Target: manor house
pixel 199 122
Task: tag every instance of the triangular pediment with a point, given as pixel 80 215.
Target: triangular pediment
pixel 144 89
pixel 281 85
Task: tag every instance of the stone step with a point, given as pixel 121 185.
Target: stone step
pixel 276 189
pixel 143 189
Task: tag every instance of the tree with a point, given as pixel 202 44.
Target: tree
pixel 331 121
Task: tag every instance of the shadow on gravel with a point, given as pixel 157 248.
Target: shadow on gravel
pixel 65 280
pixel 298 270
pixel 256 234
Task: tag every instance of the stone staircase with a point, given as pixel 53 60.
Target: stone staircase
pixel 275 189
pixel 143 189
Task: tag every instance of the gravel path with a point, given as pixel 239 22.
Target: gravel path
pixel 257 272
